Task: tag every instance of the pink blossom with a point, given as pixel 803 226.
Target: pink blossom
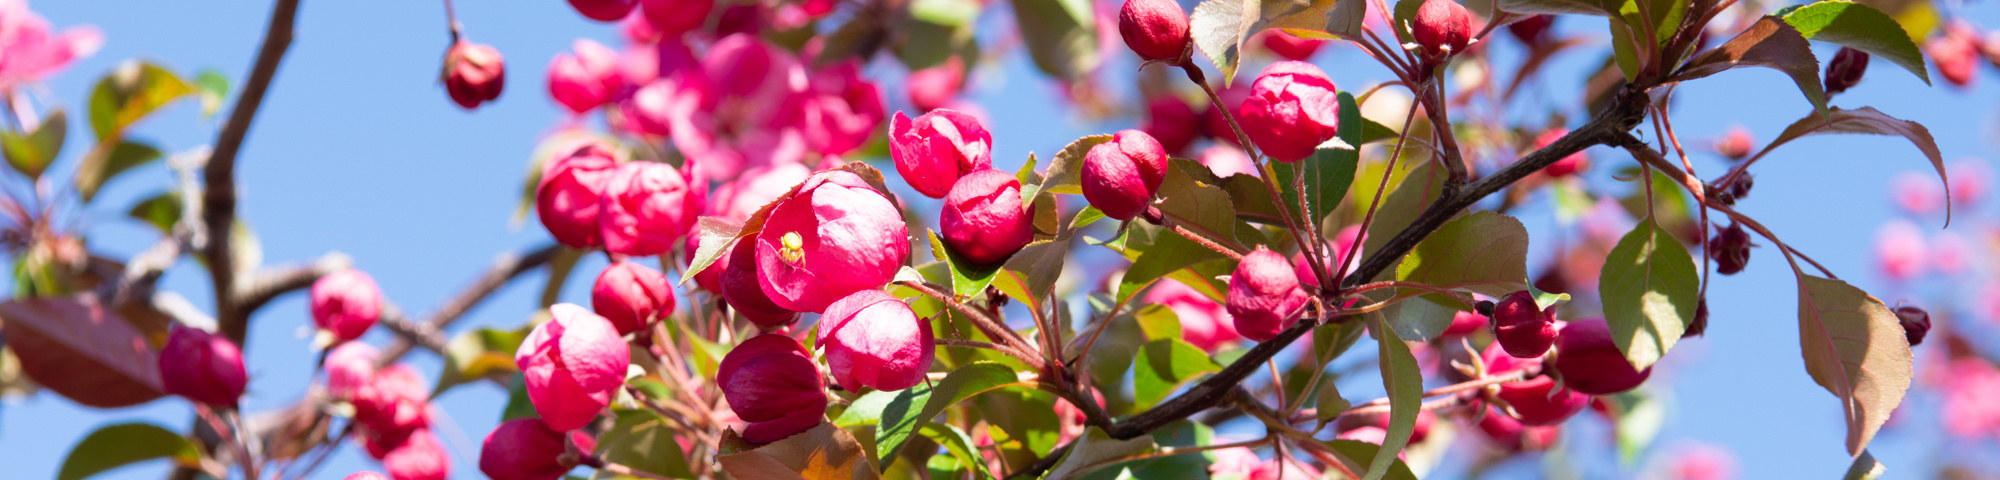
pixel 523 449
pixel 1291 110
pixel 365 476
pixel 1970 180
pixel 349 367
pixel 1591 363
pixel 737 200
pixel 839 109
pixel 474 74
pixel 632 296
pixel 1227 160
pixel 202 367
pixel 983 220
pixel 30 51
pixel 1900 252
pixel 642 63
pixel 771 381
pixel 741 288
pixel 1157 30
pixel 1535 401
pixel 603 10
pixel 936 148
pixel 724 118
pixel 573 365
pixel 587 78
pixel 568 198
pixel 394 402
pixel 1918 193
pixel 1285 470
pixel 646 208
pixel 836 236
pixel 1236 462
pixel 1173 122
pixel 420 457
pixel 1704 462
pixel 1214 123
pixel 872 339
pixel 1969 411
pixel 1205 323
pixel 346 303
pixel 675 17
pixel 1263 294
pixel 932 88
pixel 1120 176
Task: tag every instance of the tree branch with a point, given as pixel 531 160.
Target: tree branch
pixel 219 195
pixel 270 283
pixel 504 270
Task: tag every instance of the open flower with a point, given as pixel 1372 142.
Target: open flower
pixel 872 339
pixel 835 236
pixel 420 457
pixel 573 365
pixel 727 117
pixel 30 50
pixel 839 109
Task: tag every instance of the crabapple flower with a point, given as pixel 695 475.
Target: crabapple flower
pixel 1900 250
pixel 1291 110
pixel 349 367
pixel 1157 30
pixel 1464 323
pixel 1226 160
pixel 523 449
pixel 835 236
pixel 1970 179
pixel 675 17
pixel 30 50
pixel 1263 293
pixel 771 382
pixel 1575 162
pixel 1969 411
pixel 1522 327
pixel 394 402
pixel 1511 436
pixel 1956 53
pixel 737 200
pixel 365 476
pixel 1120 176
pixel 839 109
pixel 650 109
pixel 1204 323
pixel 1916 323
pixel 603 10
pixel 201 366
pixel 346 304
pixel 983 218
pixel 1704 462
pixel 645 208
pixel 569 198
pixel 872 339
pixel 744 293
pixel 1917 193
pixel 473 74
pixel 585 79
pixel 936 148
pixel 573 365
pixel 420 457
pixel 1590 363
pixel 1536 401
pixel 934 87
pixel 1215 124
pixel 1291 47
pixel 727 117
pixel 1442 28
pixel 631 296
pixel 1845 70
pixel 1731 249
pixel 1171 121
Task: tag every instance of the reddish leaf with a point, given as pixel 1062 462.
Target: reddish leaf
pixel 78 349
pixel 823 453
pixel 1867 120
pixel 1770 43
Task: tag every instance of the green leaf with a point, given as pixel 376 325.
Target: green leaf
pixel 1484 252
pixel 32 152
pixel 1638 418
pixel 1860 27
pixel 1420 187
pixel 1404 381
pixel 1200 207
pixel 717 235
pixel 1855 348
pixel 825 451
pixel 162 211
pixel 1162 366
pixel 1865 468
pixel 1158 322
pixel 1061 35
pixel 1065 174
pixel 911 408
pixel 1649 290
pixel 475 354
pixel 1020 415
pixel 959 444
pixel 1251 198
pixel 1421 318
pixel 1867 120
pixel 1355 449
pixel 106 161
pixel 967 280
pixel 124 444
pixel 930 42
pixel 1220 27
pixel 1169 253
pixel 1030 275
pixel 642 440
pixel 1769 43
pixel 1334 338
pixel 1330 404
pixel 130 92
pixel 1328 172
pixel 518 404
pixel 1096 447
pixel 1181 433
pixel 213 88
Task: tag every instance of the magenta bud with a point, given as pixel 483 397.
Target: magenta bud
pixel 1157 30
pixel 394 402
pixel 1845 70
pixel 835 236
pixel 1172 122
pixel 573 365
pixel 740 288
pixel 1120 176
pixel 1291 47
pixel 473 74
pixel 632 296
pixel 569 198
pixel 646 208
pixel 675 17
pixel 983 220
pixel 1532 30
pixel 1522 327
pixel 1292 109
pixel 346 303
pixel 1575 162
pixel 1731 249
pixel 872 339
pixel 201 366
pixel 523 449
pixel 1916 323
pixel 771 382
pixel 420 457
pixel 1464 323
pixel 1536 401
pixel 1590 363
pixel 603 10
pixel 583 80
pixel 1263 294
pixel 1511 436
pixel 1735 143
pixel 349 367
pixel 932 88
pixel 1442 28
pixel 936 148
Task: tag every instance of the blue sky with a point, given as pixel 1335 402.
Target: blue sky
pixel 358 150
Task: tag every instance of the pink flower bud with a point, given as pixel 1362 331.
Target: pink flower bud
pixel 1575 162
pixel 473 74
pixel 1263 294
pixel 603 10
pixel 1204 323
pixel 1970 179
pixel 349 367
pixel 586 79
pixel 1214 123
pixel 1916 323
pixel 983 219
pixel 651 109
pixel 1704 462
pixel 1157 30
pixel 569 198
pixel 1292 109
pixel 1442 28
pixel 1900 250
pixel 1171 121
pixel 1590 363
pixel 394 402
pixel 1511 436
pixel 1120 176
pixel 872 339
pixel 1916 192
pixel 1731 249
pixel 365 476
pixel 1956 53
pixel 201 366
pixel 932 151
pixel 1523 327
pixel 836 236
pixel 771 381
pixel 632 296
pixel 1338 249
pixel 1291 47
pixel 675 17
pixel 1464 323
pixel 645 209
pixel 523 449
pixel 1532 30
pixel 1845 70
pixel 420 457
pixel 573 365
pixel 839 109
pixel 932 88
pixel 1735 144
pixel 744 293
pixel 346 303
pixel 1536 401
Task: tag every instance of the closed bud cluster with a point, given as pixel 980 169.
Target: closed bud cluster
pixel 1121 176
pixel 524 449
pixel 585 79
pixel 1533 30
pixel 645 208
pixel 1535 401
pixel 1735 144
pixel 570 196
pixel 1731 249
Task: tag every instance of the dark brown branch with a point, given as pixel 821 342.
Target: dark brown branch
pixel 504 270
pixel 271 283
pixel 411 333
pixel 219 178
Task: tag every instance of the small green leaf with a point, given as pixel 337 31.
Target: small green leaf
pixel 1181 433
pixel 643 441
pixel 1484 252
pixel 959 444
pixel 1163 365
pixel 967 280
pixel 1200 207
pixel 106 161
pixel 1096 447
pixel 518 404
pixel 1421 318
pixel 213 88
pixel 124 444
pixel 1061 35
pixel 1649 290
pixel 1351 450
pixel 910 409
pixel 1030 275
pixel 32 152
pixel 162 211
pixel 1158 322
pixel 717 236
pixel 1331 404
pixel 130 92
pixel 1065 174
pixel 1421 186
pixel 1169 253
pixel 1860 27
pixel 1402 378
pixel 475 354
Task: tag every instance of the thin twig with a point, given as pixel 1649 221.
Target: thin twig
pixel 504 270
pixel 1205 242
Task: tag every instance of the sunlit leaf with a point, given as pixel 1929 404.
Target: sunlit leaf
pixel 1855 348
pixel 1030 275
pixel 124 444
pixel 213 88
pixel 908 410
pixel 1648 285
pixel 106 161
pixel 1065 175
pixel 162 211
pixel 824 452
pixel 1061 35
pixel 1095 447
pixel 1404 381
pixel 643 441
pixel 130 92
pixel 1163 365
pixel 959 444
pixel 1484 252
pixel 31 152
pixel 1860 27
pixel 1770 43
pixel 1865 467
pixel 1420 186
pixel 1199 207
